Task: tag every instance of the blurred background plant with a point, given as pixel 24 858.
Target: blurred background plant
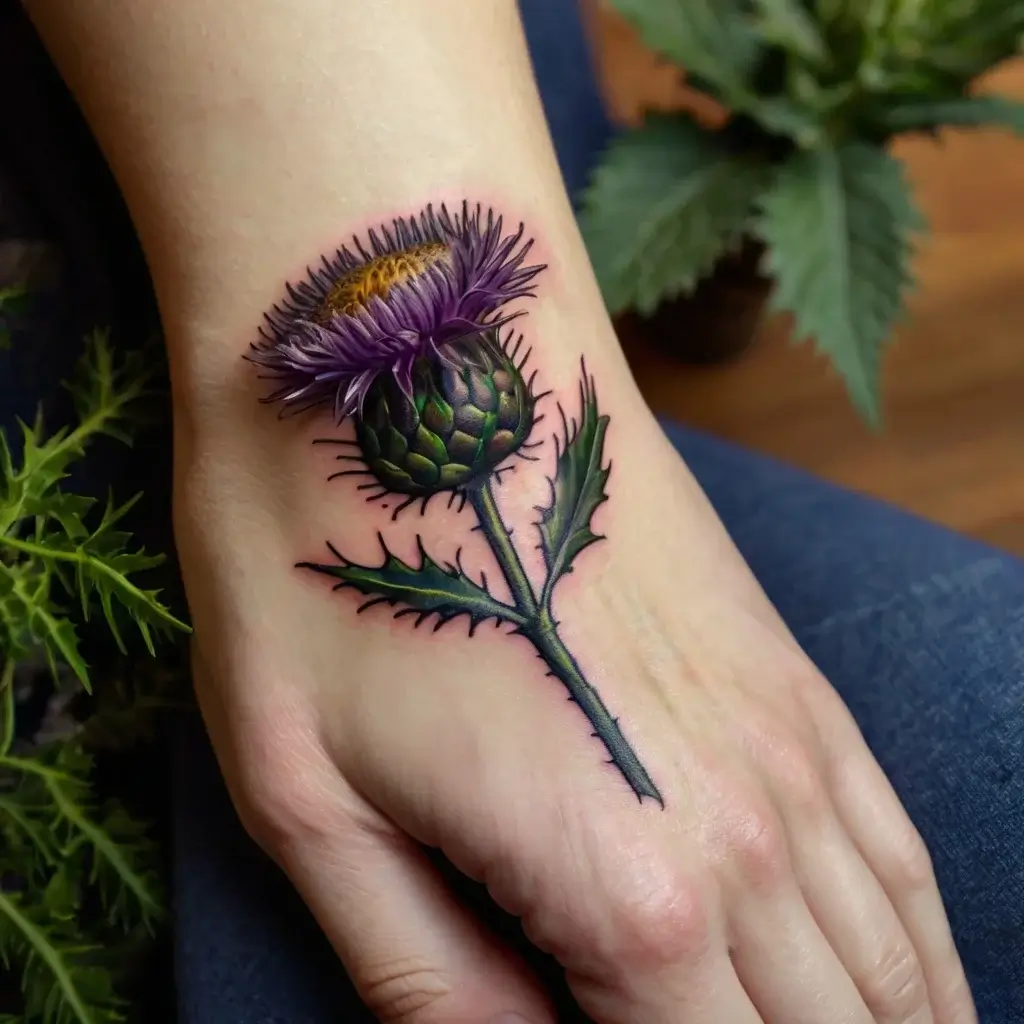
pixel 794 199
pixel 12 299
pixel 81 888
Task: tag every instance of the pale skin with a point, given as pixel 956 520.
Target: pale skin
pixel 782 882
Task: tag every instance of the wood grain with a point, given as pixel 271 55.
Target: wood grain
pixel 953 444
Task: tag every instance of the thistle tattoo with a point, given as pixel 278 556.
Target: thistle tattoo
pixel 409 336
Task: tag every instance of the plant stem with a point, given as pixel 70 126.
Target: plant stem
pixel 496 532
pixel 7 706
pixel 542 631
pixel 606 728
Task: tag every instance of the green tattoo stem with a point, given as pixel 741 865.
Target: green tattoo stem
pixel 541 630
pixel 494 529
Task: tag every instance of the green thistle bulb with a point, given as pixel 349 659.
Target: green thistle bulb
pixel 467 415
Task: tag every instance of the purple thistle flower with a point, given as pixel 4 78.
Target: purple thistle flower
pixel 424 283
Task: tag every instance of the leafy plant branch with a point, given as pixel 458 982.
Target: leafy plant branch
pixel 114 852
pixel 564 524
pixel 61 983
pixel 814 91
pixel 63 850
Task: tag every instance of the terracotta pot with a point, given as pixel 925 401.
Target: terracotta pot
pixel 719 319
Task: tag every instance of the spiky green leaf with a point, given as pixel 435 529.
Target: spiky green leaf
pixel 69 511
pixel 60 981
pixel 30 618
pixel 958 112
pixel 103 568
pixel 666 203
pixel 432 588
pixel 789 25
pixel 577 489
pixel 55 836
pixel 722 49
pixel 26 826
pixel 838 225
pixel 103 392
pixel 122 863
pixel 61 896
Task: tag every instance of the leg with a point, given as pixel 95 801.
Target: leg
pixel 247 950
pixel 922 633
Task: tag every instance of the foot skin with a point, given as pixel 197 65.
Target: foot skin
pixel 698 833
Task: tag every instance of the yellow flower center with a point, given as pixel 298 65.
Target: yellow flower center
pixel 353 291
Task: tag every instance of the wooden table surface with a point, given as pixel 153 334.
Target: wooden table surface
pixel 953 447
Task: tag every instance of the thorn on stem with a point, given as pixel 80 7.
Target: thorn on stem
pixel 352 472
pixel 402 507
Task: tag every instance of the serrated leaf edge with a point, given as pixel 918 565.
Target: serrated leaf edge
pixel 494 608
pixel 571 431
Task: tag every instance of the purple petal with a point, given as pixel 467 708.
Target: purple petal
pixel 458 296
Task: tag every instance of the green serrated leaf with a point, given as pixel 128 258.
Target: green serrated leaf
pixel 838 226
pixel 60 639
pixel 59 983
pixel 125 868
pixel 430 589
pixel 789 24
pixel 103 392
pixel 722 46
pixel 103 568
pixel 123 862
pixel 43 464
pixel 711 39
pixel 668 200
pixel 26 823
pixel 68 510
pixel 577 489
pixel 29 617
pixel 962 112
pixel 61 896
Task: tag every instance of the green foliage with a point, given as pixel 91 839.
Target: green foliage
pixel 577 489
pixel 825 72
pixel 62 978
pixel 667 202
pixel 77 874
pixel 49 794
pixel 837 224
pixel 49 552
pixel 811 86
pixel 431 589
pixel 704 36
pixel 12 299
pixel 962 111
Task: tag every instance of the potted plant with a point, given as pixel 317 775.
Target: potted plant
pixel 795 203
